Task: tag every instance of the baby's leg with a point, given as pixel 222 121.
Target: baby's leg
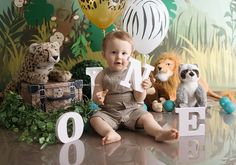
pixel 166 135
pixel 151 126
pixel 111 137
pixel 105 130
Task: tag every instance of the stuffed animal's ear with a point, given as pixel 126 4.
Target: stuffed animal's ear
pixel 56 43
pixel 32 47
pixel 196 65
pixel 180 66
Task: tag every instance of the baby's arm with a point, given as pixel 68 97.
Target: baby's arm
pixel 140 96
pixel 98 92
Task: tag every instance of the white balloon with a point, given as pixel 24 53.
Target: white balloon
pixel 147 21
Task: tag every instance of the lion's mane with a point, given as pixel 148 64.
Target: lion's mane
pixel 172 83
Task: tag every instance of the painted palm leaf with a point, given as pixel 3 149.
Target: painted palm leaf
pixel 171 7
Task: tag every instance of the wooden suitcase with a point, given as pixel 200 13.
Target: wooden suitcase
pixel 53 95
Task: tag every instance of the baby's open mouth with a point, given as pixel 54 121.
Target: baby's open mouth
pixel 117 63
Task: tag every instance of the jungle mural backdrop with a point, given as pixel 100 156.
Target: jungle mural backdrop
pixel 201 32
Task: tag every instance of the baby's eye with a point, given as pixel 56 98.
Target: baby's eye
pixel 168 64
pixel 113 52
pixel 124 53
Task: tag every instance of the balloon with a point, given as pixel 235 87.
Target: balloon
pixel 102 13
pixel 147 21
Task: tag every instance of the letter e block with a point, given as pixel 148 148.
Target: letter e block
pixel 191 121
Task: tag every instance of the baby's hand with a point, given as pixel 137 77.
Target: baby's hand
pixel 146 84
pixel 101 97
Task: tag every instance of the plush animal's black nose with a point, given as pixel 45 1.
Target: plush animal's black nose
pixel 159 68
pixel 191 74
pixel 55 57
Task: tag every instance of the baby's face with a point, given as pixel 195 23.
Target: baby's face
pixel 117 53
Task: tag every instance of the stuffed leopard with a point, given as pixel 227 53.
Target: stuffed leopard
pixel 38 66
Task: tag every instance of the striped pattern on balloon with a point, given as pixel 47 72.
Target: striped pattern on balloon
pixel 147 21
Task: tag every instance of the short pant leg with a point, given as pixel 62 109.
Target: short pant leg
pixel 134 115
pixel 107 118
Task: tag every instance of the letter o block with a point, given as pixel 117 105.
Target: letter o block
pixel 61 127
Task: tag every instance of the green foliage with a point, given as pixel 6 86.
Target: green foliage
pixel 79 72
pixel 230 21
pixel 196 32
pixel 171 7
pixel 11 25
pixel 79 28
pixel 215 63
pixel 33 124
pixel 79 47
pixel 96 36
pixel 43 32
pixel 66 64
pixel 38 11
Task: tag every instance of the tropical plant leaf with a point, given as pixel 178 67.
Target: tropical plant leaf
pixel 96 36
pixel 5 18
pixel 228 14
pixel 79 47
pixel 10 24
pixel 229 23
pixel 233 5
pixel 33 12
pixel 172 8
pixel 9 13
pixel 17 24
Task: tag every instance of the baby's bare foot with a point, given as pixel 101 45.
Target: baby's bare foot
pixel 167 135
pixel 111 137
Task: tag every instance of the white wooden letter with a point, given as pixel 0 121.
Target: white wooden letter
pixel 197 114
pixel 61 127
pixel 92 72
pixel 191 149
pixel 134 74
pixel 79 150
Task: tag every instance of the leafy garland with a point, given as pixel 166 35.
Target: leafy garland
pixel 35 125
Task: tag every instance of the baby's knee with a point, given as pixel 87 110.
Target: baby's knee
pixel 147 116
pixel 94 120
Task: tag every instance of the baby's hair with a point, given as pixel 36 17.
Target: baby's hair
pixel 122 35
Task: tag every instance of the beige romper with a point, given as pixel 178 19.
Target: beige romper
pixel 120 107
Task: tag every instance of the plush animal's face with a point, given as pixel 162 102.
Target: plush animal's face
pixel 188 72
pixel 19 3
pixel 57 37
pixel 45 54
pixel 164 69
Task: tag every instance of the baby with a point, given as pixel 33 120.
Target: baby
pixel 119 105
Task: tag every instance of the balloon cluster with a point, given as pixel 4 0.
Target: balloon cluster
pixel 227 105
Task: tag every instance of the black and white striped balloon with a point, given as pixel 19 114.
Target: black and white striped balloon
pixel 148 22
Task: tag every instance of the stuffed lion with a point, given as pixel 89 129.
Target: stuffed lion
pixel 164 81
pixel 166 73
